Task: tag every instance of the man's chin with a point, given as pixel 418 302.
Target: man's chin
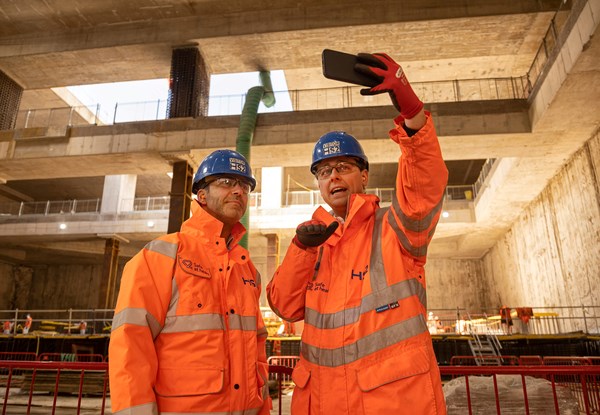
pixel 338 202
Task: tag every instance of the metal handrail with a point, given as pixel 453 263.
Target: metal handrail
pixel 458 90
pixel 162 203
pixel 564 319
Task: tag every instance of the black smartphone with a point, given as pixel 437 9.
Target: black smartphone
pixel 340 67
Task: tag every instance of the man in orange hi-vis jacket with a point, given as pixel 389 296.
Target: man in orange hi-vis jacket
pixel 355 274
pixel 188 336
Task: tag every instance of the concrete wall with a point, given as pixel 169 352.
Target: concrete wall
pixel 551 255
pixel 7 286
pixel 455 283
pixel 15 286
pixel 65 286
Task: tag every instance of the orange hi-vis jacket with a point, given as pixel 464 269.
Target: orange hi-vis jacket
pixel 188 335
pixel 366 349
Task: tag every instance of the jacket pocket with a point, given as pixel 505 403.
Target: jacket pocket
pixel 400 384
pixel 301 395
pixel 189 381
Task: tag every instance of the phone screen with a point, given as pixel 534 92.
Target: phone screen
pixel 339 66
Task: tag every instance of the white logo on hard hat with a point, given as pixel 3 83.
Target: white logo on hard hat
pixel 331 148
pixel 237 165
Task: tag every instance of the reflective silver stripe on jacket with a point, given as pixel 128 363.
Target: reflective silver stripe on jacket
pixel 258 279
pixel 396 292
pixel 244 323
pixel 416 251
pixel 152 409
pixel 381 294
pixel 262 333
pixel 377 276
pixel 138 317
pixel 244 412
pixel 415 225
pixel 365 346
pixel 194 322
pixel 145 409
pixel 163 247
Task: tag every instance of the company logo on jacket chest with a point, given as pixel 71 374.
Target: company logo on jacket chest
pixel 359 274
pixel 249 281
pixel 317 286
pixel 191 267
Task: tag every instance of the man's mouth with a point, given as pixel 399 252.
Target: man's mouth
pixel 235 201
pixel 338 190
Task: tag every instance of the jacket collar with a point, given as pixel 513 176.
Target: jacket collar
pixel 205 226
pixel 361 207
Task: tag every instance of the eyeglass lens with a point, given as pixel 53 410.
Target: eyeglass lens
pixel 342 167
pixel 231 183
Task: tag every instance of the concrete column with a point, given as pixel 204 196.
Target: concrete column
pixel 118 193
pixel 271 185
pixel 10 99
pixel 189 84
pixel 181 195
pixel 107 293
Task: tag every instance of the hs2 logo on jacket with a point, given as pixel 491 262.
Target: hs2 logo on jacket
pixel 360 274
pixel 249 281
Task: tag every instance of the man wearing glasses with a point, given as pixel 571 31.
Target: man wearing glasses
pixel 355 274
pixel 188 335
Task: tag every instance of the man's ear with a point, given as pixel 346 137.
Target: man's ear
pixel 201 196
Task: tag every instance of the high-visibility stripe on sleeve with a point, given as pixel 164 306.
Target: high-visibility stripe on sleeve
pixel 262 333
pixel 137 317
pixel 163 247
pixel 415 225
pixel 145 409
pixel 365 346
pixel 416 251
pixel 180 324
pixel 244 323
pixel 371 302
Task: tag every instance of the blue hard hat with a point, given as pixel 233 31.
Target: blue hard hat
pixel 337 144
pixel 227 162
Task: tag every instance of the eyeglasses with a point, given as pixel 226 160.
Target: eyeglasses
pixel 343 167
pixel 230 183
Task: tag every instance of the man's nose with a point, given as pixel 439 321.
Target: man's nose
pixel 334 174
pixel 238 188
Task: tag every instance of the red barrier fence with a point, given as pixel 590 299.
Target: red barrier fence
pixel 22 381
pixel 80 378
pixel 582 382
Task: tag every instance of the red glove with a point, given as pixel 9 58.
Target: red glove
pixel 314 233
pixel 392 79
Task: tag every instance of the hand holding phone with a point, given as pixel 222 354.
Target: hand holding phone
pixel 339 66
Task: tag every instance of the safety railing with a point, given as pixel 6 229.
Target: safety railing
pixel 64 322
pixel 78 206
pixel 82 386
pixel 72 387
pixel 522 389
pixel 543 320
pixel 459 90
